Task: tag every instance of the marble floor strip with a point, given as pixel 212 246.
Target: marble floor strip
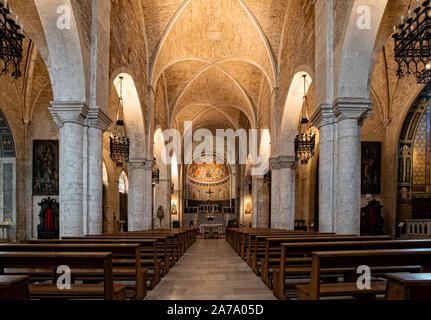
pixel 211 270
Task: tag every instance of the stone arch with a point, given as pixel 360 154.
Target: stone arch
pixel 156 65
pixel 133 115
pixel 196 78
pixel 291 114
pixel 356 54
pixel 66 64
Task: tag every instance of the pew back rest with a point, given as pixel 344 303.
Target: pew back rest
pixel 52 260
pixel 352 259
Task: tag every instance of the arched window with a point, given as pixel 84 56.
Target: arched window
pixel 123 185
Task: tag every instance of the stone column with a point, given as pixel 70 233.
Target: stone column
pixel 98 122
pixel 287 192
pixel 259 208
pixel 350 114
pixel 323 119
pixel 148 206
pixel 275 193
pixel 136 197
pixel 162 198
pixel 70 116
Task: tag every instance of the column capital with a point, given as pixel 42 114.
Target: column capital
pixel 323 115
pixel 149 164
pixel 287 162
pixel 98 119
pixel 68 111
pixel 274 164
pixel 352 108
pixel 137 163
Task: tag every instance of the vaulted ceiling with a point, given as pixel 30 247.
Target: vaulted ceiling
pixel 214 58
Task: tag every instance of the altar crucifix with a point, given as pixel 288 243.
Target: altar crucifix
pixel 210 192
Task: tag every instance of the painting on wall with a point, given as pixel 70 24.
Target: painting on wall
pixel 248 207
pixel 174 210
pixel 371 167
pixel 45 167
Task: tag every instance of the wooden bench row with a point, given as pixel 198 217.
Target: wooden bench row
pixel 313 266
pixel 99 263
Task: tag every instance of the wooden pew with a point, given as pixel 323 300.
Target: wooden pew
pixel 149 255
pixel 257 243
pixel 51 260
pixel 273 249
pixel 126 260
pixel 408 286
pixel 345 261
pixel 13 287
pixel 164 250
pixel 294 250
pixel 246 235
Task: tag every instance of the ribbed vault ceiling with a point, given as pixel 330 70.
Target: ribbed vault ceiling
pixel 214 56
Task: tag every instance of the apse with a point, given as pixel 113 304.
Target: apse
pixel 208 179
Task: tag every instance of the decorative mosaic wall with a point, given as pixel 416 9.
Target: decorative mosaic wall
pixel 419 152
pixel 207 178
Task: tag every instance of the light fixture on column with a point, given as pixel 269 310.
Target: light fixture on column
pixel 305 141
pixel 413 43
pixel 119 143
pixel 10 42
pixel 155 173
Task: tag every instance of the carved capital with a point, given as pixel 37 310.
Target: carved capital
pixel 149 164
pixel 137 163
pixel 353 108
pixel 274 164
pixel 287 162
pixel 323 115
pixel 68 112
pixel 98 119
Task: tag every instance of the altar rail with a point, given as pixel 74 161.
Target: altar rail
pixel 418 227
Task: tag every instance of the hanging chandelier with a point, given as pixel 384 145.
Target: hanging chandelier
pixel 413 43
pixel 119 143
pixel 10 42
pixel 155 173
pixel 305 142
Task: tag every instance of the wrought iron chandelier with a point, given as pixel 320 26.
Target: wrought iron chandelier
pixel 10 42
pixel 305 142
pixel 413 43
pixel 155 173
pixel 119 142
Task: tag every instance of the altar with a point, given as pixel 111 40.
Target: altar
pixel 220 227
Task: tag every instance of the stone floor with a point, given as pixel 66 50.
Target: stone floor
pixel 210 270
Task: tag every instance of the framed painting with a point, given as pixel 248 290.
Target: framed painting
pixel 371 160
pixel 45 167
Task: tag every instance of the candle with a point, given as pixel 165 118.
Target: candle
pixel 5 3
pixel 395 29
pixel 417 4
pixel 402 19
pixel 16 20
pixel 409 14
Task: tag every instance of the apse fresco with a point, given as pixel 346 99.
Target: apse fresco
pixel 208 180
pixel 208 171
